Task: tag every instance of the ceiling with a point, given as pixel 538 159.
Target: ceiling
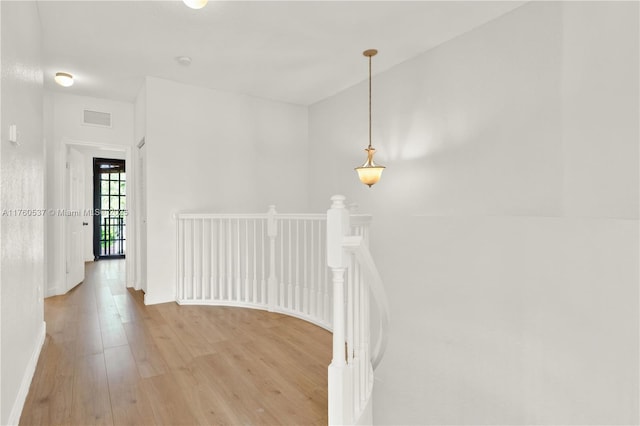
pixel 298 51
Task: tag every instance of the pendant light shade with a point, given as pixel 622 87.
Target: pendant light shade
pixel 370 172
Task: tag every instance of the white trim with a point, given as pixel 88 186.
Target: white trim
pixel 259 306
pixel 304 317
pixel 53 290
pixel 156 301
pixel 18 405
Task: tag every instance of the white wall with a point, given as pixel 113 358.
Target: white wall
pixel 215 151
pixel 22 327
pixel 600 110
pixel 506 223
pixel 63 118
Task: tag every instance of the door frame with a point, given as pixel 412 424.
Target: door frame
pixel 130 259
pixel 97 193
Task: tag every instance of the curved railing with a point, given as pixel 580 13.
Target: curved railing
pixel 272 261
pixel 363 258
pixel 315 267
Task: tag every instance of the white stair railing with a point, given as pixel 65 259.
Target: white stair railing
pixel 355 279
pixel 314 267
pixel 272 261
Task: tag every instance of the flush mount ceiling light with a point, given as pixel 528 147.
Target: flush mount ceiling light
pixel 195 4
pixel 64 79
pixel 369 173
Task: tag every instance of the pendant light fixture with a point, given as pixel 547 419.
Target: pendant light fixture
pixel 370 172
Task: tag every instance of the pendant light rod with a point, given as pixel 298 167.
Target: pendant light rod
pixel 369 53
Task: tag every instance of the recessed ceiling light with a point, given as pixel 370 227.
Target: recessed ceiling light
pixel 195 4
pixel 64 79
pixel 184 60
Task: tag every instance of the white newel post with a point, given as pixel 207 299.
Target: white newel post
pixel 272 233
pixel 340 404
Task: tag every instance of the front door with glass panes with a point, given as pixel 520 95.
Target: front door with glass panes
pixel 110 208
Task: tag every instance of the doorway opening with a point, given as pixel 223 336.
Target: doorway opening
pixel 110 208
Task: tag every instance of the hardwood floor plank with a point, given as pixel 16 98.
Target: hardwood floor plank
pixel 112 333
pixel 171 349
pixel 61 317
pixel 188 329
pixel 127 308
pixel 51 393
pixel 89 335
pixel 129 403
pixel 145 352
pixel 278 384
pixel 168 400
pixel 207 401
pixel 91 400
pixel 217 372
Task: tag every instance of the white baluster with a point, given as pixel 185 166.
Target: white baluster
pixel 349 307
pixel 272 232
pixel 290 264
pixel 203 262
pixel 229 256
pixel 246 261
pixel 321 267
pixel 312 267
pixel 238 274
pixel 263 275
pixel 362 362
pixel 281 280
pixel 254 292
pixel 297 282
pixel 221 260
pixel 305 292
pixel 180 237
pixel 193 259
pixel 212 260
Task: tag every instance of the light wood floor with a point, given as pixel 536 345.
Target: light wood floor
pixel 108 359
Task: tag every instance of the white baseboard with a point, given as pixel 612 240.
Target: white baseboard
pixel 151 300
pixel 18 405
pixel 52 290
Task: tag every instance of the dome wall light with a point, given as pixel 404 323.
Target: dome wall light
pixel 64 79
pixel 195 4
pixel 370 172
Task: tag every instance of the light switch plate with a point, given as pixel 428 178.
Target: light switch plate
pixel 13 133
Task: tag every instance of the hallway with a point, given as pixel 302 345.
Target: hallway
pixel 109 359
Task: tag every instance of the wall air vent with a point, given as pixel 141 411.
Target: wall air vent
pixel 96 118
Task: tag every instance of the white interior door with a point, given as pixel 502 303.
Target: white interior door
pixel 142 208
pixel 74 218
